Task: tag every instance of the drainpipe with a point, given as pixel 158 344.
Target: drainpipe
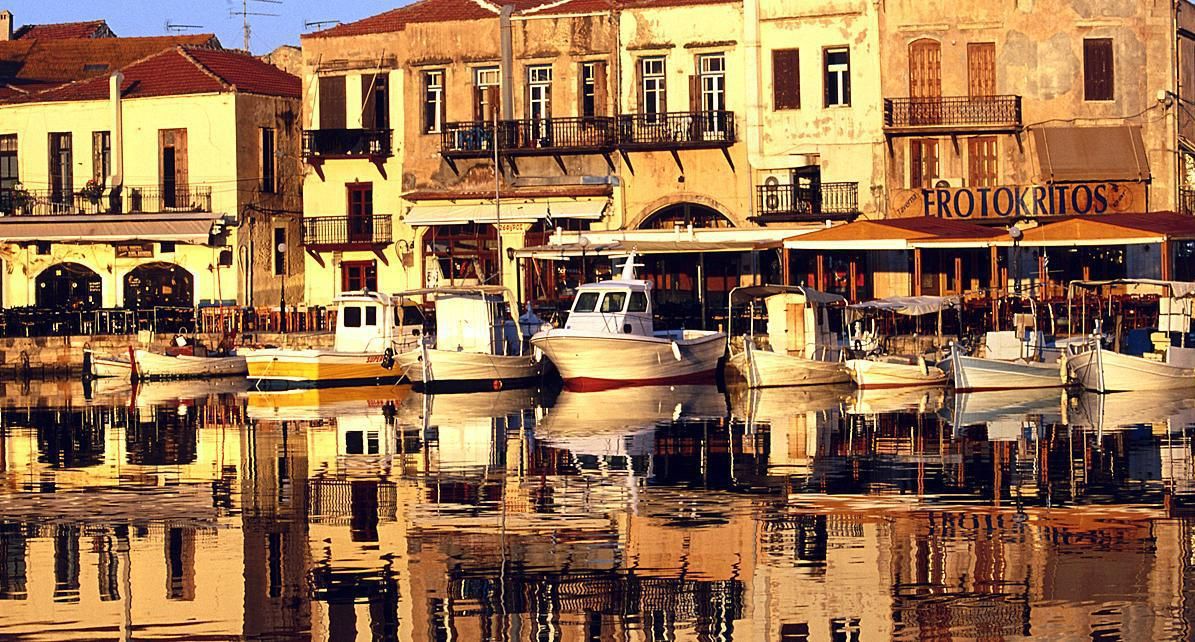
pixel 754 79
pixel 507 52
pixel 116 179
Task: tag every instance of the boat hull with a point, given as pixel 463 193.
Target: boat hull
pixel 868 374
pixel 448 369
pixel 107 367
pixel 1100 370
pixel 766 369
pixel 973 374
pixel 277 369
pixel 593 360
pixel 152 366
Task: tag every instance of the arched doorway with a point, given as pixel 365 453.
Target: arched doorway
pixel 158 284
pixel 684 215
pixel 69 285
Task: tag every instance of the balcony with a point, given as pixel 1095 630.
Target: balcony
pixel 1186 201
pixel 323 144
pixel 676 130
pixel 548 136
pixel 962 114
pixel 130 200
pixel 790 203
pixel 347 232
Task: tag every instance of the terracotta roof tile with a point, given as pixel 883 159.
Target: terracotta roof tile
pixel 62 30
pixel 62 61
pixel 180 71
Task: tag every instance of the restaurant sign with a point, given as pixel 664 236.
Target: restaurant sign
pixel 1019 201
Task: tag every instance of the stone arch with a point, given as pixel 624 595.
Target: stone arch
pixel 159 284
pixel 69 285
pixel 669 206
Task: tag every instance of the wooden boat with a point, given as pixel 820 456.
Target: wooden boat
pixel 609 340
pixel 371 329
pixel 798 349
pixel 1100 370
pixel 477 344
pixel 106 367
pixel 971 373
pixel 151 366
pixel 891 371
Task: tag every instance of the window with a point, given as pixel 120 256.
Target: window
pixel 593 89
pixel 539 99
pixel 375 112
pixel 352 316
pixel 923 162
pixel 838 77
pixel 786 79
pixel 638 302
pixel 9 172
pixel 360 212
pixel 332 112
pixel 711 83
pixel 487 98
pixel 652 90
pixel 279 255
pixel 166 247
pixel 981 162
pixel 1097 69
pixel 101 157
pixel 172 167
pixel 464 254
pixel 981 69
pixel 614 302
pixel 433 101
pixel 62 184
pixel 586 302
pixel 359 275
pixel 269 183
pixel 371 315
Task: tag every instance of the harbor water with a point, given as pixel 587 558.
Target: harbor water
pixel 206 511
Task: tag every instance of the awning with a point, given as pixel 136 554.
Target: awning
pixel 898 234
pixel 1176 289
pixel 1078 154
pixel 746 293
pixel 506 212
pixel 624 248
pixel 1112 229
pixel 909 305
pixel 179 228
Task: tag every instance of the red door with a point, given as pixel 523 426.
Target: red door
pixel 360 218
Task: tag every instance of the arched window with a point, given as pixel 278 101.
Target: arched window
pixel 158 284
pixel 69 285
pixel 683 215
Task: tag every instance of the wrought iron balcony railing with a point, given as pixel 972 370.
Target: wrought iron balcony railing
pixel 128 200
pixel 529 137
pixel 792 202
pixel 953 112
pixel 676 130
pixel 331 232
pixel 321 144
pixel 1186 201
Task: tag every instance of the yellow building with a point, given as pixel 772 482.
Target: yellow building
pixel 170 182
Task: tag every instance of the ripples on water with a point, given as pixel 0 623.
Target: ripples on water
pixel 200 511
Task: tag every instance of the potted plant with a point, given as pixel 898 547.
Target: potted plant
pixel 92 191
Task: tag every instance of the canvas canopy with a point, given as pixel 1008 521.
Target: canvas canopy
pixel 507 212
pixel 909 305
pixel 1176 289
pixel 740 294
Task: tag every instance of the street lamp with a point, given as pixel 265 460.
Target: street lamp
pixel 1016 235
pixel 282 292
pixel 584 243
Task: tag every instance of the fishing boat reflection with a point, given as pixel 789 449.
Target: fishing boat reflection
pixel 1003 412
pixel 794 420
pixel 891 400
pixel 1168 411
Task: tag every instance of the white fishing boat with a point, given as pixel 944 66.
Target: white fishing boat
pixel 798 347
pixel 371 330
pixel 152 366
pixel 106 367
pixel 972 373
pixel 477 342
pixel 609 340
pixel 1165 367
pixel 872 367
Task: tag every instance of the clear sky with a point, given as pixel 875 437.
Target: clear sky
pixel 149 17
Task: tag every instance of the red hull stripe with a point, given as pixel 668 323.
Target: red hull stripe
pixel 590 384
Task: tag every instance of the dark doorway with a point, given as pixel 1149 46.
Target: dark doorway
pixel 69 285
pixel 158 285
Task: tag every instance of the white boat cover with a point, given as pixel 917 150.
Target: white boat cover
pixel 909 305
pixel 741 294
pixel 1178 289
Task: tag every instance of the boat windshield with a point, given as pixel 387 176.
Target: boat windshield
pixel 614 301
pixel 638 302
pixel 352 316
pixel 586 302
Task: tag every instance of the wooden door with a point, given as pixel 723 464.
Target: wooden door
pixel 981 69
pixel 795 324
pixel 172 167
pixel 925 81
pixel 360 212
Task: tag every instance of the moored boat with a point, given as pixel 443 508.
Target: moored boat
pixel 894 371
pixel 871 367
pixel 477 343
pixel 798 347
pixel 971 373
pixel 371 330
pixel 610 340
pixel 152 366
pixel 106 367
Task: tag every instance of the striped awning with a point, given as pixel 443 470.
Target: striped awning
pixel 179 228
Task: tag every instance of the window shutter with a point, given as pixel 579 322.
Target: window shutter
pixel 694 93
pixel 1097 69
pixel 368 107
pixel 332 113
pixel 639 86
pixel 915 178
pixel 786 79
pixel 599 89
pixel 846 80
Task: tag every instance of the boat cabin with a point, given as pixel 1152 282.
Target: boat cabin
pixel 614 307
pixel 476 321
pixel 372 321
pixel 799 320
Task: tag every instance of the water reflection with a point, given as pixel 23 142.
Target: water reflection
pixel 206 511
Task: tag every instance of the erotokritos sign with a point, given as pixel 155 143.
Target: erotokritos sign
pixel 1018 201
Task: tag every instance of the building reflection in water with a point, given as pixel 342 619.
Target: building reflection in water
pixel 201 511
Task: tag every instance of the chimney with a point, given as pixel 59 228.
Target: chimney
pixel 5 25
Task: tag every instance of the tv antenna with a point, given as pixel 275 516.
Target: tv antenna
pixel 174 27
pixel 317 25
pixel 246 11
